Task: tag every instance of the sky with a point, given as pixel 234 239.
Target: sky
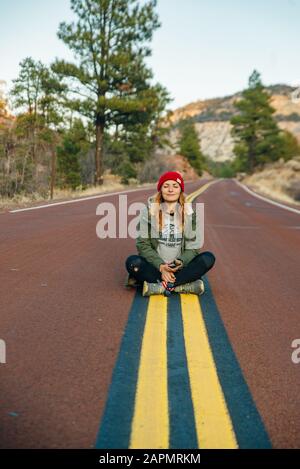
pixel 203 49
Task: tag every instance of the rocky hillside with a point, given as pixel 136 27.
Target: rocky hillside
pixel 279 180
pixel 181 164
pixel 212 118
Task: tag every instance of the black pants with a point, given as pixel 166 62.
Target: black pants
pixel 139 268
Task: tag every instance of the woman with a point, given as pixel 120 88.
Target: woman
pixel 170 261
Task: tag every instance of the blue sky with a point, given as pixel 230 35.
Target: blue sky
pixel 204 48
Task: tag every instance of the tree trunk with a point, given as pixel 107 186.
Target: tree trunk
pixel 252 154
pixel 8 177
pixel 99 151
pixel 24 167
pixel 53 172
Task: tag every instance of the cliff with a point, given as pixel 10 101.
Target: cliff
pixel 212 120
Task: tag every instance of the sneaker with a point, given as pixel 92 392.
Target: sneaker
pixel 196 287
pixel 153 289
pixel 131 282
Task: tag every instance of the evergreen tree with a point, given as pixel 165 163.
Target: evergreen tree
pixel 109 83
pixel 74 143
pixel 36 93
pixel 190 147
pixel 256 134
pixel 289 145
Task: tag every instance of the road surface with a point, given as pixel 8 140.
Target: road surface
pixel 68 323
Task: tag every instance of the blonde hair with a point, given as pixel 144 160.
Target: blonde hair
pixel 156 209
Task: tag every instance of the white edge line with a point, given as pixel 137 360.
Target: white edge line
pixel 291 209
pixel 82 199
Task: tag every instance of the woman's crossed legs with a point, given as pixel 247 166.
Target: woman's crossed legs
pixel 139 268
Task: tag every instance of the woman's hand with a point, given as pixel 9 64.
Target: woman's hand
pixel 178 265
pixel 167 273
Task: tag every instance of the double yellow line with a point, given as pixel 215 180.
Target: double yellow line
pixel 150 424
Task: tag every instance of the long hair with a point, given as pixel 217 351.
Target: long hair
pixel 156 210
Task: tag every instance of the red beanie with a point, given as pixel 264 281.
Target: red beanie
pixel 170 175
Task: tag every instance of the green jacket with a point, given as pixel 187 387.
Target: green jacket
pixel 147 245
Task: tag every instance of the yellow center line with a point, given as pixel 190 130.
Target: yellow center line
pixel 150 426
pixel 213 423
pixel 193 195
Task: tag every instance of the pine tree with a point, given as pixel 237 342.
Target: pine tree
pixel 36 94
pixel 74 143
pixel 289 145
pixel 109 83
pixel 256 134
pixel 190 147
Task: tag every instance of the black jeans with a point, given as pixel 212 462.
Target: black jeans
pixel 139 268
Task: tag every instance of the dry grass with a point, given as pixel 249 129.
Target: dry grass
pixel 111 184
pixel 280 180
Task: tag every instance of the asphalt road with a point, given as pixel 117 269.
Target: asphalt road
pixel 64 310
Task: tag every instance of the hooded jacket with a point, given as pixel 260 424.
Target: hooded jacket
pixel 146 244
